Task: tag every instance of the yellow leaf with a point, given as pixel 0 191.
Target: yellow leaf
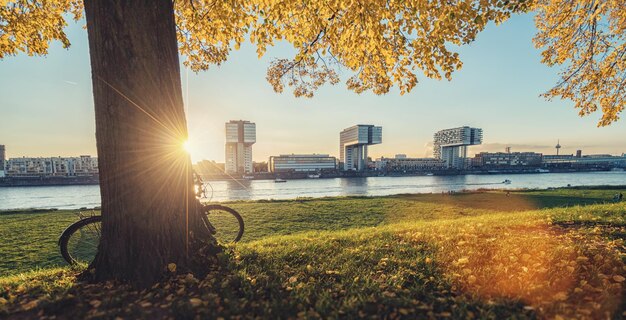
pixel 195 302
pixel 618 278
pixel 561 296
pixel 171 267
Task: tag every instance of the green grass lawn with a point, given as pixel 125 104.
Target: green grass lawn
pixel 29 240
pixel 555 253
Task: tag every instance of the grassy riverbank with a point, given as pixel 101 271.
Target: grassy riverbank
pixel 535 253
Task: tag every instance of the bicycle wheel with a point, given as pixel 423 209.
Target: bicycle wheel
pixel 227 224
pixel 79 242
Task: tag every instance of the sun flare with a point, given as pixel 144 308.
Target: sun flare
pixel 187 146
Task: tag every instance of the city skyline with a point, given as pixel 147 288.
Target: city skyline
pixel 496 90
pixel 430 153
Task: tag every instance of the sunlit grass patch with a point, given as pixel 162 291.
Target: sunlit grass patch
pixel 492 264
pixel 35 289
pixel 551 270
pixel 357 273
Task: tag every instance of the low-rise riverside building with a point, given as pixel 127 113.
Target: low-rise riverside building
pixel 286 163
pixel 593 161
pixel 507 159
pixel 504 160
pixel 409 164
pixel 53 167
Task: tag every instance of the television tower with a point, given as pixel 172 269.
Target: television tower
pixel 558 146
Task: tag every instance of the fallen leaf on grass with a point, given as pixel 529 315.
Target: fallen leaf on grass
pixel 195 302
pixel 30 305
pixel 561 296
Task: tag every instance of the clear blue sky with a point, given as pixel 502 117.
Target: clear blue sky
pixel 47 106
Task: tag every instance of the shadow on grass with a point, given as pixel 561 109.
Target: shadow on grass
pixel 261 285
pixel 552 201
pixel 26 211
pixel 501 201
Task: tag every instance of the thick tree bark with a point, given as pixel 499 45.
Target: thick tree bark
pixel 145 177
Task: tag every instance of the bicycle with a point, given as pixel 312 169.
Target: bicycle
pixel 79 242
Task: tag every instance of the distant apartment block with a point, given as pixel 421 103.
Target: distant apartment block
pixel 409 164
pixel 598 161
pixel 285 163
pixel 507 159
pixel 240 136
pixel 55 166
pixel 451 145
pixel 2 160
pixel 353 144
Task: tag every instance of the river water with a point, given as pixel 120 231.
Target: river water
pixel 74 197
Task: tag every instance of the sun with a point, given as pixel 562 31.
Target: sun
pixel 187 146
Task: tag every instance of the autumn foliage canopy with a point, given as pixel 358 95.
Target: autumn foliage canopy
pixel 383 43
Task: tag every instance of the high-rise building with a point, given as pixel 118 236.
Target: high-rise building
pixel 240 136
pixel 2 160
pixel 451 145
pixel 353 144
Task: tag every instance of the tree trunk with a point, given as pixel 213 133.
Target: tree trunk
pixel 145 175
